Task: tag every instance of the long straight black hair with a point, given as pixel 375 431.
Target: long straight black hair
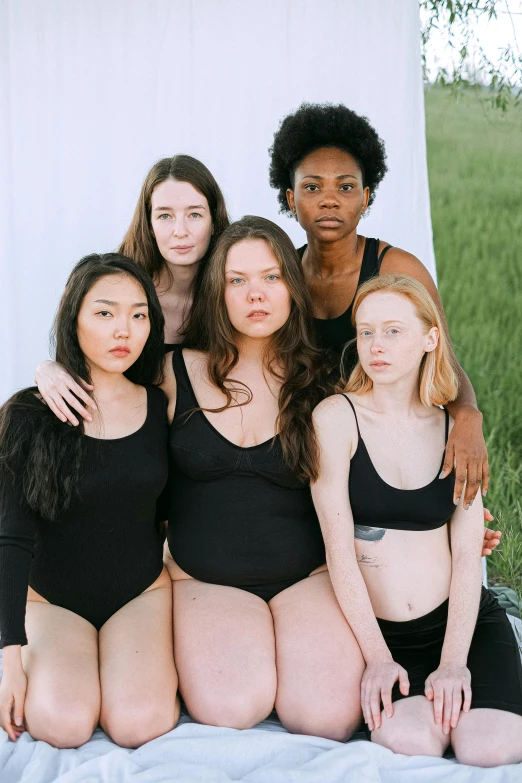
pixel 40 453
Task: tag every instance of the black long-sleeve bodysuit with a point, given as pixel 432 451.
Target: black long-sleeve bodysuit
pixel 105 549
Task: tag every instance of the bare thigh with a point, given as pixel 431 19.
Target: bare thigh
pixel 319 663
pixel 138 677
pixel 225 653
pixel 62 705
pixel 412 729
pixel 488 738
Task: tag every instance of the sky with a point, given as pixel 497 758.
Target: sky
pixel 494 35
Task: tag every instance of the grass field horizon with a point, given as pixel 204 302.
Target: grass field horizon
pixel 475 175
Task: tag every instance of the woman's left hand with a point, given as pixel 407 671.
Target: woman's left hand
pixel 466 451
pixel 445 687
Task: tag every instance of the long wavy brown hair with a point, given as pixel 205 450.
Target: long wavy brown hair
pixel 139 243
pixel 291 355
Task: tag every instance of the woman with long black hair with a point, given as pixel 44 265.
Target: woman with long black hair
pixel 80 548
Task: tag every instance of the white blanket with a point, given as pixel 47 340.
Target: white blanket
pixel 192 753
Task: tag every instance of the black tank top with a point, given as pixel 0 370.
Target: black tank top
pixel 375 503
pixel 334 333
pixel 238 516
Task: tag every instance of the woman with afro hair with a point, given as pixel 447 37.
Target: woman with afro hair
pixel 327 163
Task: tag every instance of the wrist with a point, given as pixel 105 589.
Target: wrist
pixel 12 658
pixel 468 411
pixel 377 657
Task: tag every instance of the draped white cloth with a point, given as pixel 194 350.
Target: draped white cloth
pixel 94 92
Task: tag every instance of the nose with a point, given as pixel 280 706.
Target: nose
pixel 179 227
pixel 256 292
pixel 377 346
pixel 121 331
pixel 330 200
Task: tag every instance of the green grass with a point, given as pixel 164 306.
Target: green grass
pixel 475 172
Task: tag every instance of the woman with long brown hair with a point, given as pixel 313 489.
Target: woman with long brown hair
pixel 442 662
pixel 256 620
pixel 179 215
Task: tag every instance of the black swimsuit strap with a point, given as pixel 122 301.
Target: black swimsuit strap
pixel 381 256
pixel 447 426
pixel 354 413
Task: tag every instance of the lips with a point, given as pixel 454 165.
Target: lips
pixel 333 219
pixel 257 314
pixel 379 364
pixel 120 351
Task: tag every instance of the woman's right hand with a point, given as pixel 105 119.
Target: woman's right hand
pixel 58 388
pixel 376 686
pixel 13 688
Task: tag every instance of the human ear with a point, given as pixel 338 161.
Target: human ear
pixel 291 201
pixel 432 339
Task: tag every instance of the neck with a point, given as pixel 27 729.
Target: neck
pixel 182 281
pixel 107 384
pixel 251 350
pixel 329 259
pixel 400 399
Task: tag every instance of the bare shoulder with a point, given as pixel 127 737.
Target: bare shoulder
pixel 400 262
pixel 332 412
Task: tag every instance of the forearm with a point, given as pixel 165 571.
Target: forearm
pixel 352 596
pixel 466 401
pixel 464 600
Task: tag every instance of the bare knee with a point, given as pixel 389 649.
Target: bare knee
pixel 336 722
pixel 133 725
pixel 236 710
pixel 67 727
pixel 420 740
pixel 485 754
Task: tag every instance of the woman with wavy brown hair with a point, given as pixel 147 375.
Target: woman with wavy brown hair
pixel 256 621
pixel 179 215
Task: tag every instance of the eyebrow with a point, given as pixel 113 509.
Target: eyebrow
pixel 340 176
pixel 385 323
pixel 235 271
pixel 169 209
pixel 114 304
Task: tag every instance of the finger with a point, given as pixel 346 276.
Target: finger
pixel 404 683
pixel 64 410
pixel 375 705
pixel 82 394
pixel 18 710
pixel 438 703
pixel 485 478
pixel 5 721
pixel 387 705
pixel 88 387
pixel 449 461
pixel 460 480
pixel 74 403
pixel 488 517
pixel 456 707
pixel 472 483
pixel 467 697
pixel 52 406
pixel 428 690
pixel 446 710
pixel 486 552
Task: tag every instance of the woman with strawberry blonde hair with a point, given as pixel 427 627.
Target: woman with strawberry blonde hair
pixel 442 663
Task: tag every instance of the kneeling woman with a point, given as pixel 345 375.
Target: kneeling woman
pixel 78 525
pixel 441 656
pixel 256 621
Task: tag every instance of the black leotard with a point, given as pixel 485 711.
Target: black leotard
pixel 238 516
pixel 105 550
pixel 377 504
pixel 334 333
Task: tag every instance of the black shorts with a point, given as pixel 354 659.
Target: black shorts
pixel 493 659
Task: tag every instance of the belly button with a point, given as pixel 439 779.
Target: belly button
pixel 409 607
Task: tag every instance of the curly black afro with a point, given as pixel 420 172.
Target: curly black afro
pixel 316 125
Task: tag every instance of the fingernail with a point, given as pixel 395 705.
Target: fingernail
pixel 441 474
pixel 89 418
pixel 457 501
pixel 484 493
pixel 466 507
pixel 471 502
pixel 18 721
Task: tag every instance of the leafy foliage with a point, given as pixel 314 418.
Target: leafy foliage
pixel 471 66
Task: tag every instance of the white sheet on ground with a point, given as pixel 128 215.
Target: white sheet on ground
pixel 192 753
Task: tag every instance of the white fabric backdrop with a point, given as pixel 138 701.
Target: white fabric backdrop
pixel 93 92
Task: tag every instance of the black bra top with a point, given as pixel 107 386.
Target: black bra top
pixel 238 515
pixel 334 333
pixel 375 503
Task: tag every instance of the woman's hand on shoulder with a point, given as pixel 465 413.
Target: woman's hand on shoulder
pixel 444 687
pixel 376 686
pixel 61 392
pixel 13 688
